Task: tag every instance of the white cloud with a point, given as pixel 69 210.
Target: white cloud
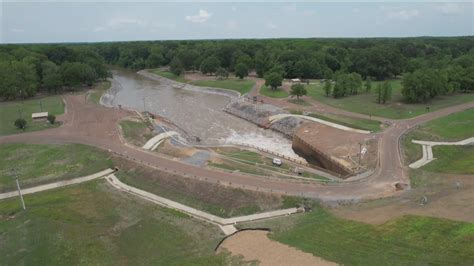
pixel 400 14
pixel 449 8
pixel 201 17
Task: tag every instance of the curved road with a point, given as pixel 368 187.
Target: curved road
pixel 94 125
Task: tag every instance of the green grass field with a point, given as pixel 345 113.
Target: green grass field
pixel 136 132
pixel 242 86
pixel 365 103
pixel 168 75
pixel 39 164
pixel 94 224
pixel 410 240
pixel 99 89
pixel 452 160
pixel 454 127
pixel 10 111
pixel 278 93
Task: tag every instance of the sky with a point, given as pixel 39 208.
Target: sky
pixel 94 21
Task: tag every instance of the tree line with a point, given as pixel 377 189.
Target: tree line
pixel 27 69
pixel 348 61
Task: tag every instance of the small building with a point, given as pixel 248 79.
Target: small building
pixel 43 116
pixel 295 80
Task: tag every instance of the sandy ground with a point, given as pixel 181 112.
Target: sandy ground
pixel 255 245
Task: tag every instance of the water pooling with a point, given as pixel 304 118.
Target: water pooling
pixel 197 113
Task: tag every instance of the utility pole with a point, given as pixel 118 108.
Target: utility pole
pixel 20 112
pixel 19 189
pixel 41 106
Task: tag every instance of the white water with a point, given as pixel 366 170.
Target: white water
pixel 198 114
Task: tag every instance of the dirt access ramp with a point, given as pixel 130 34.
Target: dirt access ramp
pixel 255 245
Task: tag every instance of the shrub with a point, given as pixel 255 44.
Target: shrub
pixel 20 123
pixel 51 119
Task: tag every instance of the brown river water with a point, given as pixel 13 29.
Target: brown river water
pixel 195 110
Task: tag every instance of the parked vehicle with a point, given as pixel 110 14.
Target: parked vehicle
pixel 277 162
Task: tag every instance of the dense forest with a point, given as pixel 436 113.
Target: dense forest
pixel 429 66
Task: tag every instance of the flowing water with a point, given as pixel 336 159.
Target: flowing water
pixel 197 113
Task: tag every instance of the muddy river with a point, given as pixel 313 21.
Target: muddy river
pixel 197 113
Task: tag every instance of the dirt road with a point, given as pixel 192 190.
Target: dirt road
pixel 93 125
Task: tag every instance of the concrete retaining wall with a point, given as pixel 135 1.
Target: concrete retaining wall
pixel 316 157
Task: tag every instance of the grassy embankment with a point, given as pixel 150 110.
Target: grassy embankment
pixel 278 93
pixel 39 164
pixel 98 90
pixel 135 132
pixel 255 163
pixel 211 198
pixel 242 86
pixel 168 75
pixel 358 123
pixel 409 240
pixel 94 224
pixel 396 108
pixel 10 111
pixel 449 159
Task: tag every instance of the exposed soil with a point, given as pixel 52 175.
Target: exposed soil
pixel 255 245
pixel 169 149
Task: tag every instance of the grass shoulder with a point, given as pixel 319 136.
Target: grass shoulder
pixel 168 74
pixel 136 132
pixel 278 93
pixel 40 164
pixel 98 90
pixel 243 86
pixel 10 111
pixel 358 123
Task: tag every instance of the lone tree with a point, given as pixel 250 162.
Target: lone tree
pixel 386 92
pixel 368 85
pixel 51 119
pixel 241 70
pixel 222 73
pixel 176 67
pixel 210 65
pixel 20 123
pixel 327 87
pixel 378 90
pixel 298 90
pixel 274 80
